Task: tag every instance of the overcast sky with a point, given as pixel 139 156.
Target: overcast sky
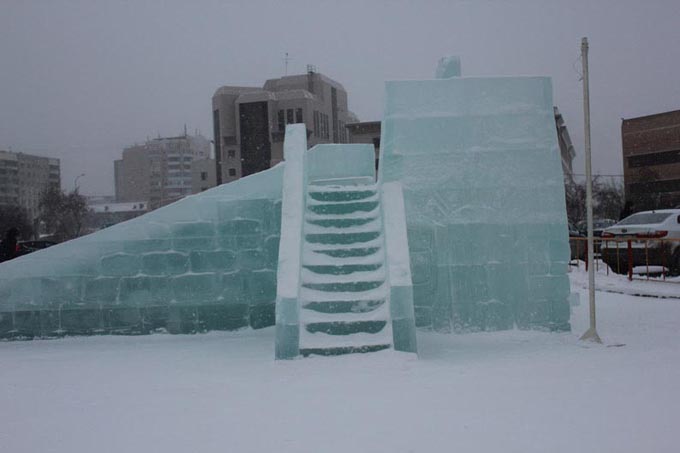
pixel 82 80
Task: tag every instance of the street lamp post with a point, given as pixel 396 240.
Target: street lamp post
pixel 75 182
pixel 591 333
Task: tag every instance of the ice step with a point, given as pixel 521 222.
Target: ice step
pixel 308 315
pixel 350 226
pixel 342 208
pixel 313 201
pixel 330 351
pixel 308 276
pixel 341 188
pixel 343 328
pixel 312 258
pixel 315 295
pixel 321 340
pixel 340 196
pixel 339 222
pixel 345 287
pixel 342 238
pixel 342 306
pixel 375 243
pixel 356 181
pixel 311 216
pixel 343 269
pixel 349 252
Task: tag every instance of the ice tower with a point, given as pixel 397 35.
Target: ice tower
pixel 479 164
pixel 464 229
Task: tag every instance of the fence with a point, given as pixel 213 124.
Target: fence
pixel 655 258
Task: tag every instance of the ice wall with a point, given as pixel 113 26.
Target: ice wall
pixel 479 163
pixel 206 262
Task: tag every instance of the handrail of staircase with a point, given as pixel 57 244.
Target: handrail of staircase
pixel 290 247
pixel 398 267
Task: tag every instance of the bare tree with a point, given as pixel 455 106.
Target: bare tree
pixel 15 217
pixel 62 213
pixel 608 200
pixel 576 201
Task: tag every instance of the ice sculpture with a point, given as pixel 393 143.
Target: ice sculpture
pixel 448 67
pixel 205 262
pixel 344 282
pixel 467 222
pixel 479 163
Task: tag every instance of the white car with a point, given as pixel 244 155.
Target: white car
pixel 654 237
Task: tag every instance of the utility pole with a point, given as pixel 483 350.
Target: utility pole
pixel 591 333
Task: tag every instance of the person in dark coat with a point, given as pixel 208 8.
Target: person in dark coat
pixel 8 246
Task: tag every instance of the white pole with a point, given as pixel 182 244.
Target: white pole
pixel 591 333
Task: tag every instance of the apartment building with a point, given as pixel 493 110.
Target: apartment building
pixel 249 122
pixel 159 171
pixel 24 178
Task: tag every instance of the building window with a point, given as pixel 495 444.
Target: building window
pixel 282 121
pixel 289 116
pixel 204 175
pixel 298 116
pixel 231 153
pixel 232 172
pixel 316 123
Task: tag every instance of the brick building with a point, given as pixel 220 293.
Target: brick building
pixel 651 160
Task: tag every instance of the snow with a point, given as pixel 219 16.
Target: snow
pixel 513 391
pixel 615 283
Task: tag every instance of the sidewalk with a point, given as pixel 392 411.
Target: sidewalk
pixel 614 283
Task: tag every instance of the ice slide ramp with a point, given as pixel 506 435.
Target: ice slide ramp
pixel 344 284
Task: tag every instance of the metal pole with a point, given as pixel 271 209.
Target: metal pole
pixel 591 333
pixel 75 182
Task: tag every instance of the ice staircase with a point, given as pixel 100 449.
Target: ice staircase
pixel 344 278
pixel 343 298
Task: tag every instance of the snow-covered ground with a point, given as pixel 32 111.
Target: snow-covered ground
pixel 641 285
pixel 223 392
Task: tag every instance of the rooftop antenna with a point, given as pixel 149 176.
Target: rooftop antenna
pixel 185 129
pixel 311 69
pixel 286 59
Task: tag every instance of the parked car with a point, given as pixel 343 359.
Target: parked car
pixel 655 241
pixel 599 226
pixel 26 247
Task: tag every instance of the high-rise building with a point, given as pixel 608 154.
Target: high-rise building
pixel 202 175
pixel 160 170
pixel 24 178
pixel 249 122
